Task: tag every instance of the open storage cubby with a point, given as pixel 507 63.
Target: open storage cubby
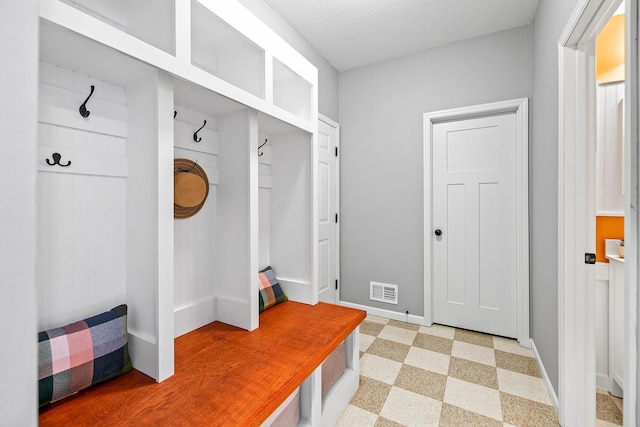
pixel 196 263
pixel 213 254
pixel 337 396
pixel 151 21
pixel 104 222
pixel 287 206
pixel 291 92
pixel 224 52
pixel 324 406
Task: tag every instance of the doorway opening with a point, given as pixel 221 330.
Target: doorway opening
pixel 577 213
pixel 609 221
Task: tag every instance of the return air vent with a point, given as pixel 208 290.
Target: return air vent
pixel 383 292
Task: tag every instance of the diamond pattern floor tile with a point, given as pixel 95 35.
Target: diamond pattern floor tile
pixel 424 376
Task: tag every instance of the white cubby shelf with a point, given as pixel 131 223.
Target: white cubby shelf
pixel 106 230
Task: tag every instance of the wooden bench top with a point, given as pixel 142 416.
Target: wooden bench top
pixel 224 376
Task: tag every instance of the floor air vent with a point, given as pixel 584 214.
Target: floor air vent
pixel 383 292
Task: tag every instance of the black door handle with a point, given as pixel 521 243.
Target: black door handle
pixel 438 232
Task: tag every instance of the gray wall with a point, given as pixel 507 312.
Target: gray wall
pixel 551 18
pixel 18 123
pixel 381 109
pixel 327 74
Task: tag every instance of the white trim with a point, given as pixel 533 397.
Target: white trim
pixel 387 314
pixel 328 121
pixel 576 235
pixel 632 219
pixel 521 109
pixel 545 377
pixel 602 213
pixel 576 331
pixel 342 391
pixel 336 125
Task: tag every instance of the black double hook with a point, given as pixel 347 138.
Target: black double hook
pixel 196 138
pixel 260 146
pixel 83 108
pixel 56 161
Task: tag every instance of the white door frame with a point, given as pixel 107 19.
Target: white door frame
pixel 336 125
pixel 521 109
pixel 576 205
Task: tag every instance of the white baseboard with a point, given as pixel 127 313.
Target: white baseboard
pixel 603 382
pixel 545 378
pixel 233 311
pixel 193 316
pixel 387 314
pixel 142 350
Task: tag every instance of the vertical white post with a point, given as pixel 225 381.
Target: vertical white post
pixel 183 31
pixel 18 123
pixel 150 225
pixel 254 221
pixel 164 179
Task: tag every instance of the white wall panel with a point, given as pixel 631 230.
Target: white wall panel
pixel 81 268
pixel 609 154
pixel 264 201
pixel 81 246
pixel 291 212
pixel 61 106
pixel 264 233
pixel 196 238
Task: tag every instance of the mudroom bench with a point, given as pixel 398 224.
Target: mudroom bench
pixel 226 376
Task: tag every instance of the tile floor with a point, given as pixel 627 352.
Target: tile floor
pixel 608 410
pixel 413 375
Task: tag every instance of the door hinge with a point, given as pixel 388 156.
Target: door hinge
pixel 336 218
pixel 589 258
pixel 336 151
pixel 336 283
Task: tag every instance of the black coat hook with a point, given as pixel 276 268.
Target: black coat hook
pixel 260 146
pixel 56 161
pixel 175 113
pixel 83 108
pixel 195 135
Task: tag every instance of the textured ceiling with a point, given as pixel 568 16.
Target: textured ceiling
pixel 354 33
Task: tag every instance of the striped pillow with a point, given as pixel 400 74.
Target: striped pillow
pixel 270 291
pixel 81 354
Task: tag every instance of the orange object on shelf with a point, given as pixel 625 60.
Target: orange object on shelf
pixel 607 227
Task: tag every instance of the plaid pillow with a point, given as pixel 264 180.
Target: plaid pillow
pixel 82 354
pixel 270 291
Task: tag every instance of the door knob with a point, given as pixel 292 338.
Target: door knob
pixel 438 232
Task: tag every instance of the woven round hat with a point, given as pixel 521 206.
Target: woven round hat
pixel 190 188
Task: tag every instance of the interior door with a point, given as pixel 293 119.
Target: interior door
pixel 474 263
pixel 328 133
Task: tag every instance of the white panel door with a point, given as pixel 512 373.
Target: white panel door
pixel 327 212
pixel 474 220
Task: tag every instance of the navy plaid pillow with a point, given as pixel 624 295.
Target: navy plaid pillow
pixel 81 354
pixel 270 291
